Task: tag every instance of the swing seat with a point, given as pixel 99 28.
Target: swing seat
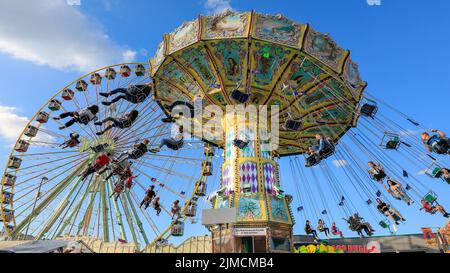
pixel 176 147
pixel 240 96
pixel 241 144
pixel 391 141
pixel 378 177
pixel 369 108
pixel 293 125
pixel 441 147
pixel 312 161
pixel 396 217
pixel 327 152
pixel 384 224
pixel 431 197
pixel 191 211
pixel 100 148
pixel 435 172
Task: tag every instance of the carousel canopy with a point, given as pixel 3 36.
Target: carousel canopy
pixel 273 60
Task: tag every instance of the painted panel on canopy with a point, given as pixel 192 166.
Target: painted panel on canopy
pixel 336 113
pixel 183 36
pixel 279 212
pixel 176 75
pixel 353 78
pixel 231 59
pixel 251 209
pixel 331 131
pixel 168 95
pixel 301 76
pixel 328 93
pixel 325 49
pixel 288 148
pixel 226 25
pixel 268 61
pixel 159 58
pixel 278 29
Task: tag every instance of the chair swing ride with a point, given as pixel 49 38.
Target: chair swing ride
pixel 66 179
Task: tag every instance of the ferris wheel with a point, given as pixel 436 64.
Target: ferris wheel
pixel 83 165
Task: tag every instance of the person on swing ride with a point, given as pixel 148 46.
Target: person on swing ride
pixel 84 116
pixel 323 228
pixel 138 151
pixel 149 195
pixel 356 223
pixel 120 168
pixel 322 145
pixel 101 162
pixel 126 121
pixel 335 230
pixel 175 142
pixel 390 212
pixel 446 174
pixel 376 172
pixel 176 209
pixel 397 191
pixel 134 94
pixel 438 142
pixel 73 141
pixel 310 231
pixel 157 205
pixel 432 209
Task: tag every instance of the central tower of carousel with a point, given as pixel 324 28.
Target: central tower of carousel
pixel 255 59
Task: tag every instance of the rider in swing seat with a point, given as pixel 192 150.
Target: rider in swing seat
pixel 323 228
pixel 390 212
pixel 446 175
pixel 73 141
pixel 126 121
pixel 175 210
pixel 438 143
pixel 322 150
pixel 310 231
pixel 157 205
pixel 376 172
pixel 149 195
pixel 101 162
pixel 139 150
pixel 175 142
pixel 433 208
pixel 84 116
pixel 397 191
pixel 335 230
pixel 134 94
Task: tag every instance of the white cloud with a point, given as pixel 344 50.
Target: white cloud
pixel 217 6
pixel 340 163
pixel 53 33
pixel 12 125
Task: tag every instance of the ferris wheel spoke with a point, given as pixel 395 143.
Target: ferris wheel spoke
pixel 118 213
pixel 50 162
pixel 136 217
pixel 39 208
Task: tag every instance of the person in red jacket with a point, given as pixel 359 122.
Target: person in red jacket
pixel 102 161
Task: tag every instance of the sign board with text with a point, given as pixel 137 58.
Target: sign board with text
pixel 249 232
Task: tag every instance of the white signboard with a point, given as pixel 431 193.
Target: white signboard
pixel 248 232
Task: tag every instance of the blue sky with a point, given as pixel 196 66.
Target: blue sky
pixel 401 47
